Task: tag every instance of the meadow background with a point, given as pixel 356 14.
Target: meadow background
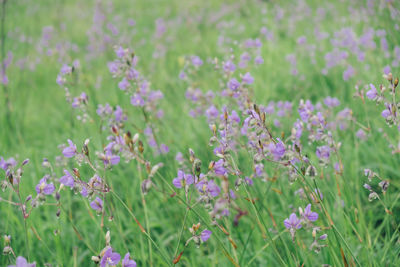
pixel 310 50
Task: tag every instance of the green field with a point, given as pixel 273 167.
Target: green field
pixel 175 57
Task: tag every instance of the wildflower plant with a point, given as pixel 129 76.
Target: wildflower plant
pixel 198 134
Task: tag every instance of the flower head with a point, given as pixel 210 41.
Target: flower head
pixel 110 258
pixel 22 262
pixel 127 261
pixel 70 150
pixel 309 215
pixel 247 78
pixel 97 204
pixel 67 179
pixel 205 235
pixel 293 222
pixel 182 179
pixel 44 187
pixel 372 93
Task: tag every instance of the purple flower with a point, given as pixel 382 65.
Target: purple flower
pixel 372 93
pixel 259 170
pixel 44 187
pixel 208 187
pixel 22 262
pixel 233 84
pixel 118 114
pixel 348 73
pixel 219 168
pixel 259 60
pixel 247 78
pixel 309 215
pixel 97 204
pixel 385 113
pixel 278 150
pixel 234 116
pixel 120 52
pixel 229 66
pixel 109 158
pixel 182 179
pixel 212 112
pixel 67 179
pixel 110 258
pixel 386 70
pixel 70 150
pixel 127 261
pixel 368 187
pixel 361 134
pixel 213 188
pixel 323 152
pixel 331 102
pixel 293 222
pixel 6 164
pixel 205 235
pixel 65 69
pixel 196 61
pixel 137 100
pixel 323 237
pixel 113 67
pixel 164 149
pixel 124 84
pixel 131 22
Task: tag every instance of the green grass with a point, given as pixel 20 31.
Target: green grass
pixel 41 120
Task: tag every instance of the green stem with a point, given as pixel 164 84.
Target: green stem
pixel 167 261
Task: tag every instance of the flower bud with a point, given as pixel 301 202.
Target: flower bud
pixel 85 148
pixel 146 185
pixel 372 196
pixel 323 237
pixel 197 167
pixel 7 250
pixel 7 239
pixel 58 196
pixel 96 259
pixel 108 238
pixel 135 138
pixel 141 148
pixel 76 172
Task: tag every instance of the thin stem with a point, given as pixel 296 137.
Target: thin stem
pixel 3 63
pixel 141 228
